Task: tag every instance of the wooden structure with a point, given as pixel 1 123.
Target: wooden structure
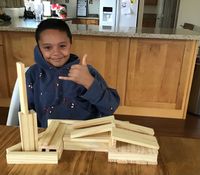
pixel 27 151
pixel 101 134
pixel 124 142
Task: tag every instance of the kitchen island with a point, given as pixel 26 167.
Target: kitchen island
pixel 152 69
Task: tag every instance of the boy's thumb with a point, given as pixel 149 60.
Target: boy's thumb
pixel 84 62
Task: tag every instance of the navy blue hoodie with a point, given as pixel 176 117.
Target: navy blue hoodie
pixel 53 98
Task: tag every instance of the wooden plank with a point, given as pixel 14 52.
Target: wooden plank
pixel 66 121
pixel 92 130
pixel 26 157
pixel 22 87
pixel 35 128
pixel 97 138
pixel 86 146
pixel 58 136
pixel 128 153
pixel 16 147
pixel 28 131
pixel 134 127
pixel 134 138
pixel 93 122
pixel 48 135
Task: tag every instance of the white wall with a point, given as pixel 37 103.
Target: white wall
pixel 189 12
pixel 94 7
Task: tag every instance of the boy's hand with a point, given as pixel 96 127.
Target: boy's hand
pixel 80 74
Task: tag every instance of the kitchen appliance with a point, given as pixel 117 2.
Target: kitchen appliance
pixel 107 14
pixel 118 14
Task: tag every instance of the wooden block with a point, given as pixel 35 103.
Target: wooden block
pixel 48 135
pixel 92 130
pixel 17 147
pixel 134 138
pixel 58 136
pixel 28 131
pixel 134 127
pixel 35 128
pixel 15 155
pixel 112 143
pixel 52 139
pixel 86 146
pixel 128 153
pixel 33 157
pixel 22 87
pixel 97 138
pixel 93 122
pixel 66 121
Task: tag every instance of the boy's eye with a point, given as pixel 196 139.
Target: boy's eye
pixel 47 47
pixel 63 46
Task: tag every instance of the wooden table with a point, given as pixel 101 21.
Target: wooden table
pixel 177 156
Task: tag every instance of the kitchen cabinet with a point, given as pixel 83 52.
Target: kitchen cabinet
pixel 4 86
pixel 105 54
pixel 152 76
pixel 85 21
pixel 158 77
pixel 18 47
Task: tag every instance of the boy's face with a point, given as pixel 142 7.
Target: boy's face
pixel 55 46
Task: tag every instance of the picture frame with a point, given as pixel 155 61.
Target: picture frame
pixel 82 8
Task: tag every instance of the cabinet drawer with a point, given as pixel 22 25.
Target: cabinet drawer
pixel 86 21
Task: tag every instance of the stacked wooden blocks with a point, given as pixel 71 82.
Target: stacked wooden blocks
pixel 27 152
pixel 124 142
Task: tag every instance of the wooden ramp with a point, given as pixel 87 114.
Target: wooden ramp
pixel 124 142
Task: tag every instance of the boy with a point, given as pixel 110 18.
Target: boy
pixel 61 86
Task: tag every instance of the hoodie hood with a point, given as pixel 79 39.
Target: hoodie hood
pixel 39 59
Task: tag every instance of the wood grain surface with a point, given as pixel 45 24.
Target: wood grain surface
pixel 177 156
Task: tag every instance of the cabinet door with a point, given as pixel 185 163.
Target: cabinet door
pixel 159 77
pixel 108 55
pixel 19 46
pixel 4 90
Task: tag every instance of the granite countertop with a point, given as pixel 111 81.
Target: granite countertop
pixel 29 25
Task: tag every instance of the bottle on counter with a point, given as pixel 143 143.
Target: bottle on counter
pixel 38 9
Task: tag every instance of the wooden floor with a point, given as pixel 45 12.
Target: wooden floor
pixel 163 127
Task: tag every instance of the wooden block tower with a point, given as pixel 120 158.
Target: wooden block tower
pixel 27 152
pixel 27 119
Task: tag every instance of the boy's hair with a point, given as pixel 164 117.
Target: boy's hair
pixel 53 23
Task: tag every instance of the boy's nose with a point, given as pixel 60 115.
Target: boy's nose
pixel 56 50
